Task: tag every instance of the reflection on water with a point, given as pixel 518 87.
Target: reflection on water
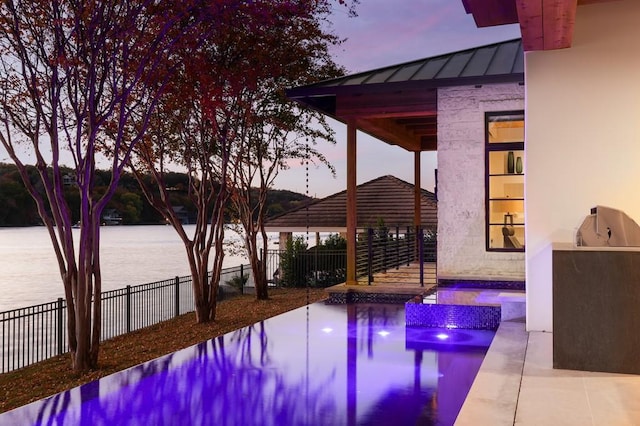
pixel 321 365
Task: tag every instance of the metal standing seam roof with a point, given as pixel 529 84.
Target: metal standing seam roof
pixel 398 104
pixel 387 198
pixel 490 63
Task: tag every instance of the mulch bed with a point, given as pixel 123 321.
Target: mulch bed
pixel 54 375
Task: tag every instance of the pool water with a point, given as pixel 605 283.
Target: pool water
pixel 318 365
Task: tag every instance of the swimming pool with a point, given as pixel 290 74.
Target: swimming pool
pixel 317 365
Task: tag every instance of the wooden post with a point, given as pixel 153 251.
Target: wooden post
pixel 351 203
pixel 283 238
pixel 417 214
pixel 417 204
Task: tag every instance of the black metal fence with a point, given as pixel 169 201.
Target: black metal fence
pixel 314 268
pixel 378 250
pixel 35 333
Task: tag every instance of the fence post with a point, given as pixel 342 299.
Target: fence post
pixel 315 265
pixel 397 247
pixel 263 266
pixel 241 278
pixel 409 249
pixel 128 309
pixel 420 243
pixel 177 287
pixel 60 318
pixel 385 242
pixel 369 255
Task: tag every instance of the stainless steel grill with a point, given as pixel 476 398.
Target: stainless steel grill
pixel 608 227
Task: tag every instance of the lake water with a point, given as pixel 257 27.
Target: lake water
pixel 130 255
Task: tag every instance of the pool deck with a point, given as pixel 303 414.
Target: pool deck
pixel 517 384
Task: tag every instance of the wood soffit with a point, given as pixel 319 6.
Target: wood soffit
pixel 544 24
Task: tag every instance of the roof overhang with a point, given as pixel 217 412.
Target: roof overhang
pixel 397 114
pixel 399 104
pixel 544 24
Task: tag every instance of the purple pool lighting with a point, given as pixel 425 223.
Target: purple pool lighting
pixel 322 365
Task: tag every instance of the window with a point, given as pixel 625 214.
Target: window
pixel 505 181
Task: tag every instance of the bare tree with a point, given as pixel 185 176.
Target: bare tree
pixel 72 75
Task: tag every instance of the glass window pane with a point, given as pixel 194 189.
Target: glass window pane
pixel 505 181
pixel 505 128
pixel 501 237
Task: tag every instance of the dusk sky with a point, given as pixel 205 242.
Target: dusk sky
pixel 387 33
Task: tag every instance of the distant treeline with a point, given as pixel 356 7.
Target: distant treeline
pixel 17 208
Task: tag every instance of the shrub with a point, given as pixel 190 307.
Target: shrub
pixel 238 281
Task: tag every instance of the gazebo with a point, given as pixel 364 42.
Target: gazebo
pixel 386 199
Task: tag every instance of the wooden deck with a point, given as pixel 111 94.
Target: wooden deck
pixel 404 281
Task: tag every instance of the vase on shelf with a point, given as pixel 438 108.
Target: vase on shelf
pixel 510 162
pixel 519 165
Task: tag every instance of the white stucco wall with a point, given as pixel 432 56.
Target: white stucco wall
pixel 582 137
pixel 461 183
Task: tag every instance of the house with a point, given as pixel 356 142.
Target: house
pixel 111 217
pixel 582 129
pixel 469 106
pixel 581 135
pixel 68 179
pixel 183 215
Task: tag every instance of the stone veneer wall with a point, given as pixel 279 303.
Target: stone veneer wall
pixel 461 183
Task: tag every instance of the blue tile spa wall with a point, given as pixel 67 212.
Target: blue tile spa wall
pixel 452 316
pixel 481 284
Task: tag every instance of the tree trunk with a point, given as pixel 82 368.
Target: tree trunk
pixel 201 288
pixel 258 267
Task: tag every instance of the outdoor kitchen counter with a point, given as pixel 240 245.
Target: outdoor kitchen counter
pixel 596 308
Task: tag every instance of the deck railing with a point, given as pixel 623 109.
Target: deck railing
pixel 382 248
pixel 378 250
pixel 35 333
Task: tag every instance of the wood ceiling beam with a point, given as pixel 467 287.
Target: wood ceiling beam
pixel 531 24
pixel 387 105
pixel 391 132
pixel 399 115
pixel 559 22
pixel 487 13
pixel 546 24
pixel 429 143
pixel 427 128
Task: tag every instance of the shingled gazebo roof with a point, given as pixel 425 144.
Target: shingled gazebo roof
pixel 387 198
